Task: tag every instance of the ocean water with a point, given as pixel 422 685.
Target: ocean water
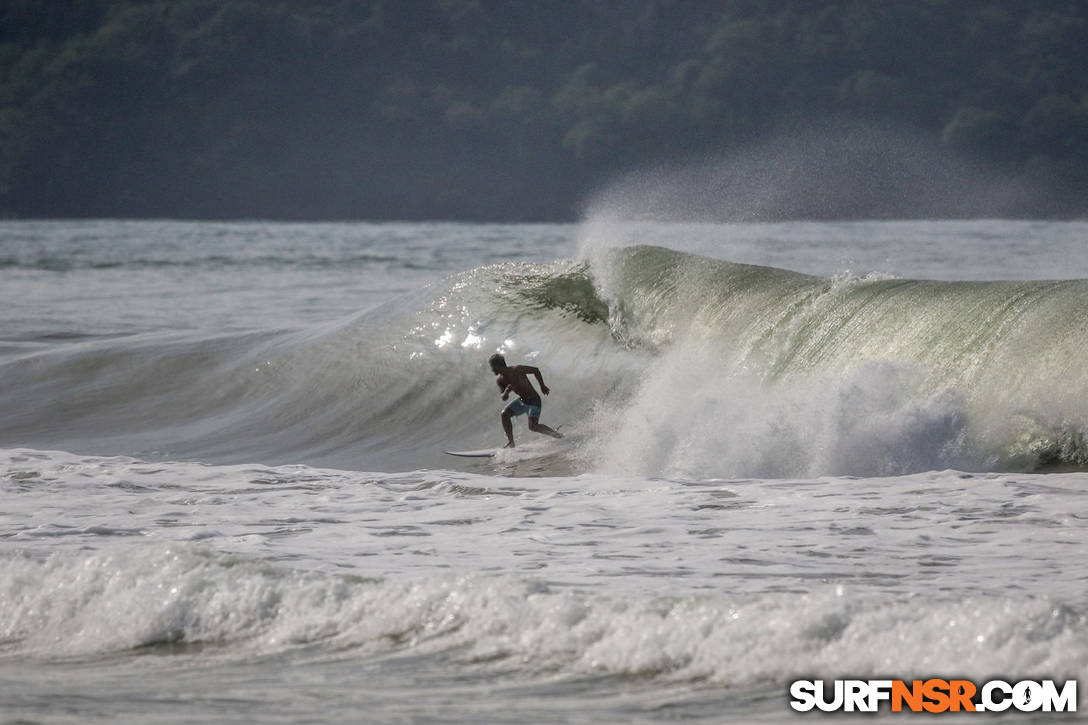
pixel 792 450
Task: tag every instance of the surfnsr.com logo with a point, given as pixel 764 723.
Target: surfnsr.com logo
pixel 933 695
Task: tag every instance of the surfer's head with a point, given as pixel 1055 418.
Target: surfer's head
pixel 497 362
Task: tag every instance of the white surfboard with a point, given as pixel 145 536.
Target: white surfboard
pixel 482 453
pixel 492 452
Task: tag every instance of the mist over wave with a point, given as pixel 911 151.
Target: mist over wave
pixel 663 362
pixel 838 169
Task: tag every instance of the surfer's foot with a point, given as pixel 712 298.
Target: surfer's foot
pixel 556 434
pixel 509 445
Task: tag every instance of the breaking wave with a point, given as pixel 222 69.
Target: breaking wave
pixel 661 362
pixel 81 604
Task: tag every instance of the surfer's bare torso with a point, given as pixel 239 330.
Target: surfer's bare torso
pixel 515 379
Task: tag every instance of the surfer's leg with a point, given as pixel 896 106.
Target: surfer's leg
pixel 508 426
pixel 537 427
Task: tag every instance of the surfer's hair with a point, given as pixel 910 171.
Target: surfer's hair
pixel 496 361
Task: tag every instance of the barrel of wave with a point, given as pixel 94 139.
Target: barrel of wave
pixel 759 371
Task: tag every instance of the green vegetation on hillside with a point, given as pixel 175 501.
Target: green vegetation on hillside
pixel 500 109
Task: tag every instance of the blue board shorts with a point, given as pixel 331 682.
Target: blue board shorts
pixel 525 405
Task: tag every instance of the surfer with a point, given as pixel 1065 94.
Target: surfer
pixel 515 379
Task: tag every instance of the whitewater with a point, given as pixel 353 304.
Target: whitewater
pixel 792 450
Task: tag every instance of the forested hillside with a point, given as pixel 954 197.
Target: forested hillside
pixel 502 109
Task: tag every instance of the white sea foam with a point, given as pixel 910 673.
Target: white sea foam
pixel 79 604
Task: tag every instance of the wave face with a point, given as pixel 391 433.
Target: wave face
pixel 389 387
pixel 661 362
